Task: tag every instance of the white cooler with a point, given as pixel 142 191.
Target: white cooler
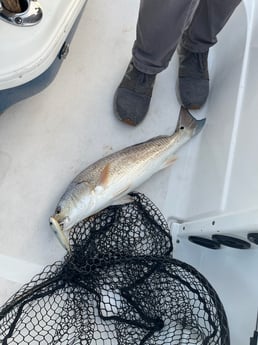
pixel 33 46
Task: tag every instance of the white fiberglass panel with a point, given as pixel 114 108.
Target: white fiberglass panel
pixel 26 52
pixel 205 166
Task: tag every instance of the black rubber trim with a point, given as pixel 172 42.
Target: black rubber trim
pixel 253 237
pixel 232 242
pixel 204 242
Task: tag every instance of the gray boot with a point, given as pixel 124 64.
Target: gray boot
pixel 133 96
pixel 193 78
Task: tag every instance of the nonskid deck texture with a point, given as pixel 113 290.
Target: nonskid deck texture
pixel 48 139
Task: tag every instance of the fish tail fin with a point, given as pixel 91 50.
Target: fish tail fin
pixel 186 121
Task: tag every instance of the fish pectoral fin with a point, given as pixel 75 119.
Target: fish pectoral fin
pixel 98 189
pixel 169 161
pixel 126 199
pixel 104 176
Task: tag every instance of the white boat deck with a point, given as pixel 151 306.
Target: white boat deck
pixel 47 139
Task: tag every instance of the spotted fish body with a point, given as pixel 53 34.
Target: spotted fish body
pixel 110 179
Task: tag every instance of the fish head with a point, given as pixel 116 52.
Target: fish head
pixel 64 214
pixel 59 233
pixel 75 205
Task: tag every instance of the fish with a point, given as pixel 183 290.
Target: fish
pixel 109 180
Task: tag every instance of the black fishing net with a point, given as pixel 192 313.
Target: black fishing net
pixel 119 286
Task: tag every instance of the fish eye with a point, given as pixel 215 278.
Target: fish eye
pixel 182 127
pixel 58 210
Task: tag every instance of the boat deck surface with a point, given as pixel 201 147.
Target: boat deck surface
pixel 47 139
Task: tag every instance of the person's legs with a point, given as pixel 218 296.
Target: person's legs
pixel 208 20
pixel 159 28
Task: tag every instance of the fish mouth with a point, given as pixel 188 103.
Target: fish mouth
pixel 58 229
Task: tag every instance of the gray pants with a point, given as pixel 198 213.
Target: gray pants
pixel 163 23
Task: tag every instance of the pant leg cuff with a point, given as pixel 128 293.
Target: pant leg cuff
pixel 145 68
pixel 193 47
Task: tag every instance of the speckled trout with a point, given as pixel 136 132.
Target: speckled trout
pixel 109 180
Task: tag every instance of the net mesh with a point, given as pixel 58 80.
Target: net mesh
pixel 118 286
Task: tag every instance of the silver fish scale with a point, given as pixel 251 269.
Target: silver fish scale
pixel 130 158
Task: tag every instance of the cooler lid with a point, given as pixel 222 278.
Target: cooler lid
pixel 26 52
